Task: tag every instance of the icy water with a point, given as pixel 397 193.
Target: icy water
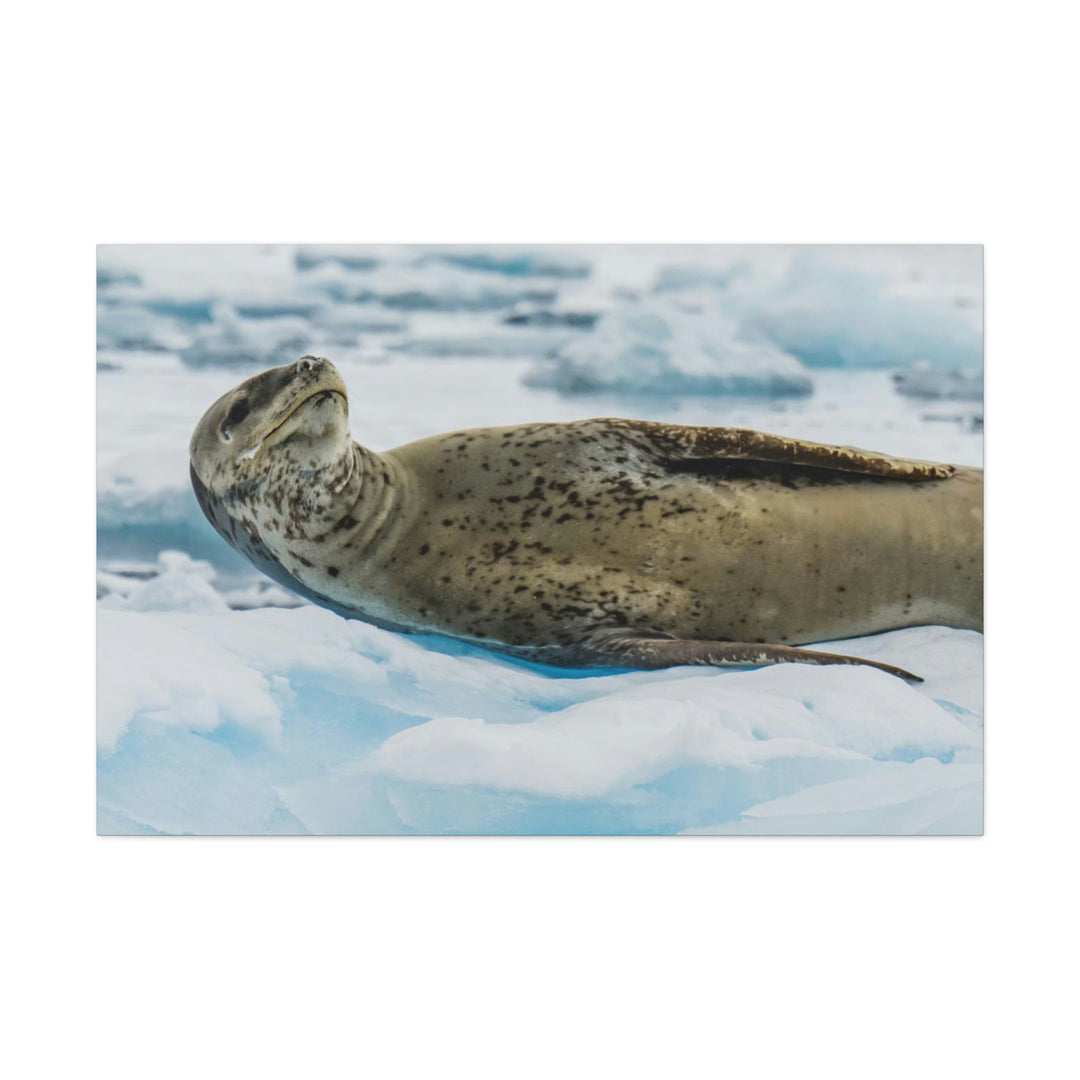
pixel 226 705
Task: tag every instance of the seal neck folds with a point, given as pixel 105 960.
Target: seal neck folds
pixel 367 491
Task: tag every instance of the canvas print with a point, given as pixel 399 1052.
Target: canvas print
pixel 539 539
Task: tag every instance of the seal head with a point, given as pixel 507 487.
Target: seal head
pixel 301 408
pixel 269 456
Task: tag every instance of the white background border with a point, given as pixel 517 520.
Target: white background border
pixel 590 122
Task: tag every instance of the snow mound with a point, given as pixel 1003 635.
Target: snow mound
pixel 635 735
pixel 849 307
pixel 178 583
pixel 152 668
pixel 299 721
pixel 671 347
pixel 830 318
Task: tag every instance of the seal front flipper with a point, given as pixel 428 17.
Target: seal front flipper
pixel 695 447
pixel 625 649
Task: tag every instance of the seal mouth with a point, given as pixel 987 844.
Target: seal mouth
pixel 325 393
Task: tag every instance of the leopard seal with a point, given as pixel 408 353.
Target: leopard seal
pixel 603 542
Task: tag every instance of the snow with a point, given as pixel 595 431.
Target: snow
pixel 125 327
pixel 871 306
pixel 176 583
pixel 323 725
pixel 152 669
pixel 227 704
pixel 925 797
pixel 671 347
pixel 635 736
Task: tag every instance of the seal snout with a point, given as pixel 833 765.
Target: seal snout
pixel 310 374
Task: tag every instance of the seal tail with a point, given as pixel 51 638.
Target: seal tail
pixel 653 653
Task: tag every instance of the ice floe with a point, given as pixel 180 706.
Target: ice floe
pixel 229 705
pixel 300 721
pixel 515 263
pixel 261 342
pixel 848 306
pixel 930 384
pixel 671 347
pixel 924 797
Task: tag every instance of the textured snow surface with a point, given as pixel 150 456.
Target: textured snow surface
pixel 227 704
pixel 299 721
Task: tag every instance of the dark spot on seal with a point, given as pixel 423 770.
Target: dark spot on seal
pixel 236 414
pixel 425 548
pixel 499 550
pixel 333 571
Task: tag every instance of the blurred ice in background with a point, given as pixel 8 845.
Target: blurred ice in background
pixel 226 704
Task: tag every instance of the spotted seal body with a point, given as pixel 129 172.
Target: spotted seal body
pixel 600 542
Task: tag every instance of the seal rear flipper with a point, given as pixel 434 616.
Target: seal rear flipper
pixel 675 445
pixel 659 652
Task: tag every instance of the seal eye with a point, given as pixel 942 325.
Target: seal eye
pixel 237 414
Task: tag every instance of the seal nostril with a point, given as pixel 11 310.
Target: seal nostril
pixel 308 363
